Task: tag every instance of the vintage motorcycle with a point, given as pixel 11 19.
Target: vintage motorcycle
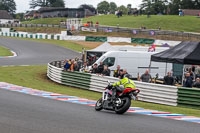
pixel 122 101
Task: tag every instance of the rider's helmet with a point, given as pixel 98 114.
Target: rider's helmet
pixel 127 76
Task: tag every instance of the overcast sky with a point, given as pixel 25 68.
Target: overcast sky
pixel 23 5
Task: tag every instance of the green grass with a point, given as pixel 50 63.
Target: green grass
pixel 35 77
pixel 62 43
pixel 5 52
pixel 55 21
pixel 40 29
pixel 166 22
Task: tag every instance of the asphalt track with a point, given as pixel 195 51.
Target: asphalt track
pixel 22 113
pixel 34 53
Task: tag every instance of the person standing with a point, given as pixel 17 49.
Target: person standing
pixel 94 68
pixel 188 80
pixel 117 72
pixel 197 83
pixel 100 68
pixel 146 77
pixel 169 80
pixel 106 71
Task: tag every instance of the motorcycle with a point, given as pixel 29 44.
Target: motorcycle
pixel 122 101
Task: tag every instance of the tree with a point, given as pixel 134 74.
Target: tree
pixel 57 3
pixel 46 3
pixel 129 6
pixel 175 5
pixel 103 7
pixel 113 7
pixel 123 9
pixel 89 7
pixel 154 6
pixel 8 5
pixel 19 16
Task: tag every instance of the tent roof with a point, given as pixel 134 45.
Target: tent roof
pixel 184 53
pixel 103 47
pixel 108 47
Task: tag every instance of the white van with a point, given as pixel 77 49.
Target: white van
pixel 136 62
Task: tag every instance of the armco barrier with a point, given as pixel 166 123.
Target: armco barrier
pixel 96 39
pixel 154 93
pixel 142 40
pixel 189 97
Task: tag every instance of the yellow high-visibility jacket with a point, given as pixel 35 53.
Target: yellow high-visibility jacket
pixel 127 83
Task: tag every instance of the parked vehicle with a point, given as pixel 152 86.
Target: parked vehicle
pixel 136 62
pixel 122 101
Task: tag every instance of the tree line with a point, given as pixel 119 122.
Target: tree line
pixel 104 7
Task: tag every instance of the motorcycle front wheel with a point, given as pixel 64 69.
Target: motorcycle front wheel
pixel 99 105
pixel 124 106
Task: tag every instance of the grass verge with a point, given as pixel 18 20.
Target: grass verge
pixel 35 77
pixel 5 52
pixel 165 22
pixel 45 21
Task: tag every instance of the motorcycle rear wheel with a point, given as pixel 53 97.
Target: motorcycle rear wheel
pixel 123 108
pixel 99 105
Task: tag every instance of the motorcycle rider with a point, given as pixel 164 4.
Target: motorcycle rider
pixel 126 82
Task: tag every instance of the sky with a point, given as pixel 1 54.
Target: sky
pixel 23 5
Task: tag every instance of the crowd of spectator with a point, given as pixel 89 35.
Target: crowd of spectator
pixel 191 77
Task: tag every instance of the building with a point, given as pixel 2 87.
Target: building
pixel 6 18
pixel 32 14
pixel 191 12
pixel 49 12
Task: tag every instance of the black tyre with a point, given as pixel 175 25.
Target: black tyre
pixel 124 106
pixel 99 105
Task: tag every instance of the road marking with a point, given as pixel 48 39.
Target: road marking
pixel 74 99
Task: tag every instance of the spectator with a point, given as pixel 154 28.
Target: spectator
pixel 106 71
pixel 197 72
pixel 146 77
pixel 124 73
pixel 188 80
pixel 85 67
pixel 117 72
pixel 197 83
pixel 100 68
pixel 121 75
pixel 191 73
pixel 169 80
pixel 72 65
pixel 76 66
pixel 94 68
pixel 148 14
pixel 67 65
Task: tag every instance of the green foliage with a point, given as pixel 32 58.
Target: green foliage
pixel 166 22
pixel 164 6
pixel 8 5
pixel 123 9
pixel 154 7
pixel 47 3
pixel 113 7
pixel 89 7
pixel 103 7
pixel 19 16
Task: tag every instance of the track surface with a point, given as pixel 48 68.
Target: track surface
pixel 22 113
pixel 34 53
